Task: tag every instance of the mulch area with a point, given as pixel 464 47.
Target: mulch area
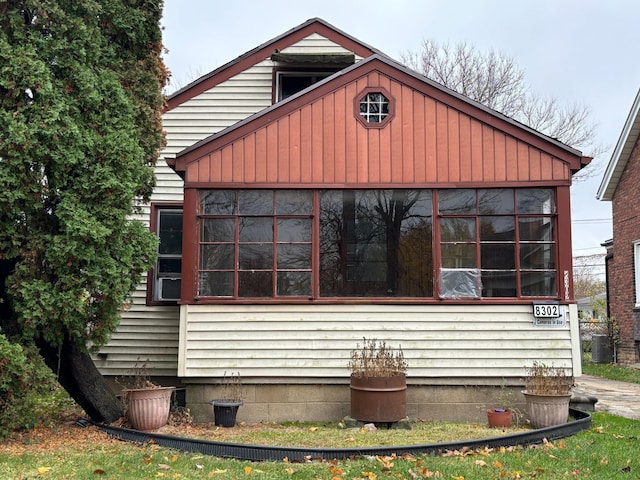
pixel 70 435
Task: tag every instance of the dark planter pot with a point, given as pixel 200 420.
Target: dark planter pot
pixel 379 399
pixel 547 410
pixel 148 409
pixel 499 418
pixel 224 412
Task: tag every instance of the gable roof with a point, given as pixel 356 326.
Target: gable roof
pixel 392 68
pixel 226 71
pixel 622 152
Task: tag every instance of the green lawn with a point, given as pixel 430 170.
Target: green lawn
pixel 607 451
pixel 612 371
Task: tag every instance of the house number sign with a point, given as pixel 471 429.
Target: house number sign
pixel 548 314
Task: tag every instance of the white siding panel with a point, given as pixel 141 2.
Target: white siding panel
pixel 315 341
pixel 315 43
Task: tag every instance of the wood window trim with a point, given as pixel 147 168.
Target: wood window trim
pixel 191 264
pixel 361 95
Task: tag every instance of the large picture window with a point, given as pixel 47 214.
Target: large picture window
pixel 376 243
pixel 320 244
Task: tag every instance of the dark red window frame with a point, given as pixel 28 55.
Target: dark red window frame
pixel 436 298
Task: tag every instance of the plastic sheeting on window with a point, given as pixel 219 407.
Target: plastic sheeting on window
pixel 460 283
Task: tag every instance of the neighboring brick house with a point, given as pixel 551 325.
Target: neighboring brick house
pixel 621 186
pixel 332 194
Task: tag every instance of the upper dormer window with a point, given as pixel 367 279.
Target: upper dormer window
pixel 293 72
pixel 291 82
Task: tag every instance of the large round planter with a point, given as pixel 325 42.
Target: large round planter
pixel 499 418
pixel 379 399
pixel 547 410
pixel 148 409
pixel 224 412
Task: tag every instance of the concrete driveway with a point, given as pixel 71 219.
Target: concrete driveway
pixel 618 398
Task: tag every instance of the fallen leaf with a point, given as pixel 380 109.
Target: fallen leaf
pixel 99 471
pixel 336 470
pixel 43 469
pixel 313 429
pixel 247 470
pixel 164 466
pixel 481 463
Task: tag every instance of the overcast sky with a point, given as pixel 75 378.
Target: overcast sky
pixel 580 51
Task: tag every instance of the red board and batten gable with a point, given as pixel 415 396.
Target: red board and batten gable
pixel 435 138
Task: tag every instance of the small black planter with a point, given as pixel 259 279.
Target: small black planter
pixel 224 412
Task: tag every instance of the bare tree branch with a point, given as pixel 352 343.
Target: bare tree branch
pixel 495 80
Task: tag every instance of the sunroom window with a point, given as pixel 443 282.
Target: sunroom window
pixel 376 243
pixel 499 242
pixel 255 243
pixel 321 244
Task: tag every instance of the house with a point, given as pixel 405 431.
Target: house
pixel 619 186
pixel 315 192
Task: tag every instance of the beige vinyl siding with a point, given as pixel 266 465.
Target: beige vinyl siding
pixel 149 334
pixel 440 343
pixel 229 102
pixel 316 43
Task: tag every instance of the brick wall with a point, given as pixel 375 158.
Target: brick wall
pixel 626 231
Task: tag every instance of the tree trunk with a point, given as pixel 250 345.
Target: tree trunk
pixel 79 376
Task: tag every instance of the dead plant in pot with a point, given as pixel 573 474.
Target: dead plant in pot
pixel 547 394
pixel 147 404
pixel 226 407
pixel 378 382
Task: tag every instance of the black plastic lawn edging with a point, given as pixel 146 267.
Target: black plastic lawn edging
pixel 299 454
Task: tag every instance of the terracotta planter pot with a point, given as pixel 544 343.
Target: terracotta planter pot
pixel 379 399
pixel 148 409
pixel 547 410
pixel 499 418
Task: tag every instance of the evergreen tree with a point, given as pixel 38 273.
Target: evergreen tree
pixel 80 129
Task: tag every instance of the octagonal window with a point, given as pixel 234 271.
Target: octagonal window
pixel 374 107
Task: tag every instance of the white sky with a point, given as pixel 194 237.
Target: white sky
pixel 580 51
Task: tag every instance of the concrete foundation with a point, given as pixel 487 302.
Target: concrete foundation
pixel 330 402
